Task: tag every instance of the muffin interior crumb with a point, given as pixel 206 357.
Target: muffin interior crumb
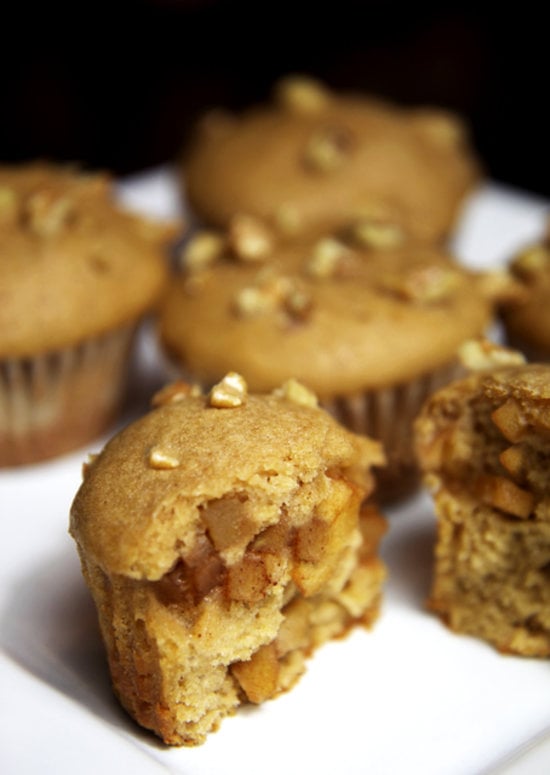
pixel 488 455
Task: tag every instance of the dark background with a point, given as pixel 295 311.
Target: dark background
pixel 118 85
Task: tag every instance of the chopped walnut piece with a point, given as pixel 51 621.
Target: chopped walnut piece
pixel 162 461
pixel 531 261
pixel 47 213
pixel 229 393
pixel 301 94
pixel 505 495
pixel 377 234
pixel 426 284
pixel 328 148
pixel 480 354
pixel 327 255
pixel 294 391
pixel 259 676
pixel 251 301
pixel 274 292
pixel 298 303
pixel 174 392
pixel 202 250
pixel 249 238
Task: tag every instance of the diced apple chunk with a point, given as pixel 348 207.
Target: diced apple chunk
pixel 259 676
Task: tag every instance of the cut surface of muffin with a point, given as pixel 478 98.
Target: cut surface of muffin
pixel 484 444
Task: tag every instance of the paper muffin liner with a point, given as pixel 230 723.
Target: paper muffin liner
pixel 52 403
pixel 387 415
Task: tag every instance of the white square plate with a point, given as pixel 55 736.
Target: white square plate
pixel 407 697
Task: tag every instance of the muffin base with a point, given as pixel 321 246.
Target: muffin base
pixel 52 403
pixel 181 672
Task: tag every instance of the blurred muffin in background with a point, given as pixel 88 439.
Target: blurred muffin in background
pixel 77 274
pixel 312 160
pixel 527 319
pixel 371 331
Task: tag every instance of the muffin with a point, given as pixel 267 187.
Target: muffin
pixel 76 276
pixel 527 319
pixel 484 445
pixel 312 159
pixel 223 538
pixel 371 331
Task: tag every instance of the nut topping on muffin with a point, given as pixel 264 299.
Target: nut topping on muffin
pixel 229 393
pixel 274 292
pixel 480 354
pixel 174 392
pixel 328 148
pixel 426 284
pixel 377 234
pixel 292 390
pixel 249 238
pixel 301 94
pixel 46 212
pixel 327 256
pixel 202 250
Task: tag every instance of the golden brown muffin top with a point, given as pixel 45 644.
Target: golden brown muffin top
pixel 528 320
pixel 312 159
pixel 334 313
pixel 72 264
pixel 142 498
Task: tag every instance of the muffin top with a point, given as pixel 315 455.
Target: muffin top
pixel 72 264
pixel 227 460
pixel 527 320
pixel 334 313
pixel 312 159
